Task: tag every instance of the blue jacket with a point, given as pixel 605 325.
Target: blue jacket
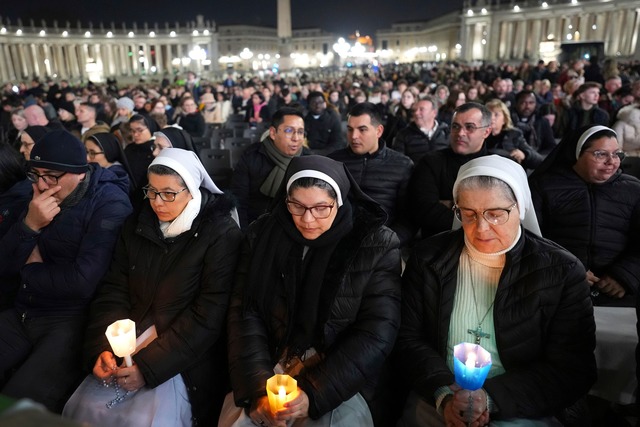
pixel 12 203
pixel 76 248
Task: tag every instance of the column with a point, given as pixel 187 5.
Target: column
pixel 60 66
pixel 159 59
pixel 74 63
pixel 536 38
pixel 634 48
pixel 627 47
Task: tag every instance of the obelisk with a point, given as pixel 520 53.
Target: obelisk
pixel 284 34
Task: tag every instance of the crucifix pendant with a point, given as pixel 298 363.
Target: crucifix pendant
pixel 477 332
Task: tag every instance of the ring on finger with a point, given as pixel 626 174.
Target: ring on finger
pixel 125 380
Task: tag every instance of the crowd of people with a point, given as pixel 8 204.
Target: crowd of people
pixel 379 219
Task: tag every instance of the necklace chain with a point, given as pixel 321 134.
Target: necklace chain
pixel 478 331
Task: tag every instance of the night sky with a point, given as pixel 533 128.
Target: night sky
pixel 338 16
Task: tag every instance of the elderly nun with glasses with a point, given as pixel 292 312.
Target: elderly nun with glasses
pixel 171 274
pixel 317 297
pixel 586 203
pixel 498 284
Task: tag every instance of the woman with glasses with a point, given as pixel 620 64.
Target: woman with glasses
pixel 498 284
pixel 105 150
pixel 171 274
pixel 140 153
pixel 588 205
pixel 317 296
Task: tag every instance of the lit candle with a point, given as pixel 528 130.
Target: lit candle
pixel 122 337
pixel 280 390
pixel 471 373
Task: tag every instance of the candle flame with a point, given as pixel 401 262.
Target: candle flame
pixel 471 361
pixel 282 393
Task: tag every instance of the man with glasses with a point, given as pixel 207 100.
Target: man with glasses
pixel 382 173
pixel 431 186
pixel 324 131
pixel 260 170
pixel 53 259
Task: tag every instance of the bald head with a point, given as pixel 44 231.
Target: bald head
pixel 35 116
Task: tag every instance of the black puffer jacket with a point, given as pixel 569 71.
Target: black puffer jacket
pixel 545 331
pixel 412 142
pixel 598 223
pixel 182 286
pixel 362 285
pixel 384 176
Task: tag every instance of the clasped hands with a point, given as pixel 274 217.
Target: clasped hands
pixel 466 408
pixel 128 378
pixel 261 414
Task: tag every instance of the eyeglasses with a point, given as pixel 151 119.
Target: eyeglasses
pixel 166 196
pixel 496 216
pixel 318 212
pixel 48 179
pixel 468 127
pixel 602 156
pixel 92 154
pixel 289 132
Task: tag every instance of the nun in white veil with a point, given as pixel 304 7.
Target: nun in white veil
pixel 171 274
pixel 498 284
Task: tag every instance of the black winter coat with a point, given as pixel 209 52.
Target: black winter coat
pixel 598 223
pixel 324 134
pixel 182 286
pixel 545 331
pixel 248 176
pixel 384 176
pixel 431 182
pixel 512 139
pixel 362 312
pixel 412 142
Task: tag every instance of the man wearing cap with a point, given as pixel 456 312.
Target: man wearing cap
pixel 53 259
pixel 124 111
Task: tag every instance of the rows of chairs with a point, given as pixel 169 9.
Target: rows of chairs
pixel 222 145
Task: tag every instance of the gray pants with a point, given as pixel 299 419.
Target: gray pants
pixel 418 413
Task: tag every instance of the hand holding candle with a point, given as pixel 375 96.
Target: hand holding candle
pixel 122 337
pixel 280 389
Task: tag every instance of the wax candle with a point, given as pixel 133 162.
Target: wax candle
pixel 471 364
pixel 122 337
pixel 280 390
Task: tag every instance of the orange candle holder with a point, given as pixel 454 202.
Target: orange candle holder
pixel 280 389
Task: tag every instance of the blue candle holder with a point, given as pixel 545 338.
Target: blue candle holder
pixel 471 364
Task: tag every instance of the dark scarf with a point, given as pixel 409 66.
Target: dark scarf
pixel 303 277
pixel 272 183
pixel 77 194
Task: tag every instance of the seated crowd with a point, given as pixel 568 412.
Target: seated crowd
pixel 369 226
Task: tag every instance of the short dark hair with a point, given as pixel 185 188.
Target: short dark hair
pixel 278 117
pixel 367 108
pixel 308 182
pixel 163 170
pixel 315 94
pixel 11 167
pixel 468 106
pixel 520 96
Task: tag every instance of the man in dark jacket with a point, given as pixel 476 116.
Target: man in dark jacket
pixel 261 168
pixel 382 173
pixel 431 186
pixel 424 133
pixel 324 131
pixel 585 110
pixel 52 261
pixel 536 130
